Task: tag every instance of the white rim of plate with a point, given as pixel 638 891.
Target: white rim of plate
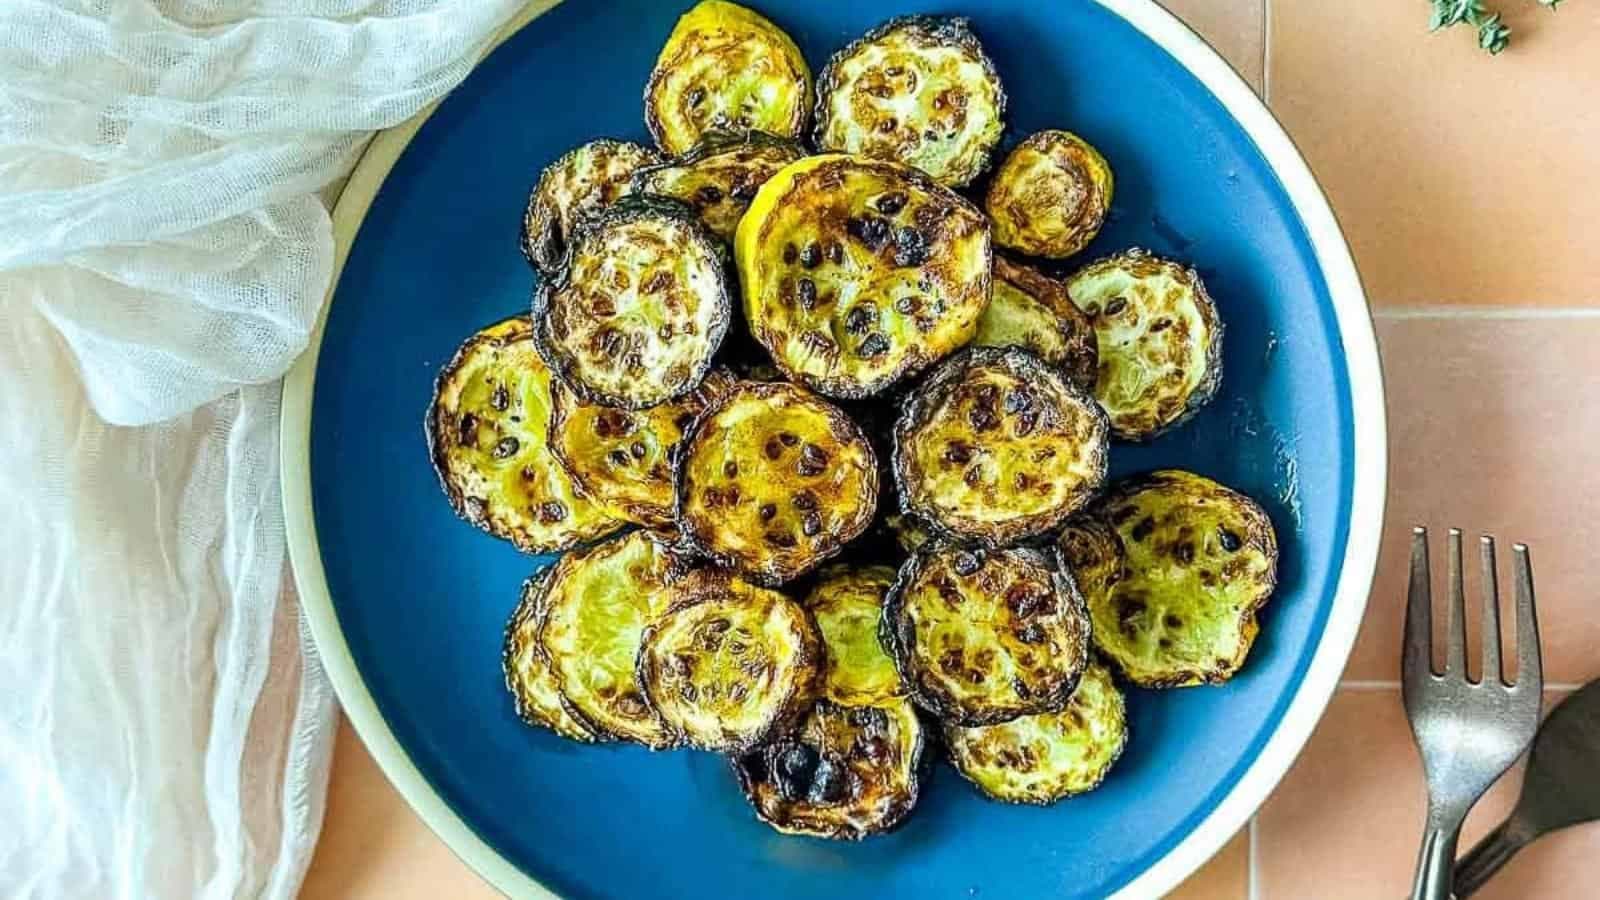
pixel 1310 698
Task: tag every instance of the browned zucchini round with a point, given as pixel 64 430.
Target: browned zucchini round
pixel 773 480
pixel 1159 337
pixel 858 272
pixel 725 68
pixel 730 664
pixel 1032 311
pixel 1043 758
pixel 981 637
pixel 572 187
pixel 918 90
pixel 486 435
pixel 997 446
pixel 1175 568
pixel 720 176
pixel 1050 196
pixel 847 602
pixel 622 458
pixel 533 687
pixel 642 305
pixel 846 773
pixel 600 602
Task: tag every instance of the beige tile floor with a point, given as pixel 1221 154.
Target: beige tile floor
pixel 1470 190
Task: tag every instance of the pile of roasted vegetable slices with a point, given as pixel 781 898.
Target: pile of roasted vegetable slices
pixel 805 329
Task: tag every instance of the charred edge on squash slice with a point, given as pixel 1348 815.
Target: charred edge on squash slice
pixel 730 665
pixel 596 337
pixel 1030 310
pixel 938 62
pixel 995 446
pixel 1176 568
pixel 1044 758
pixel 492 459
pixel 846 773
pixel 982 637
pixel 1159 337
pixel 581 181
pixel 535 694
pixel 858 273
pixel 1050 196
pixel 725 68
pixel 798 484
pixel 720 175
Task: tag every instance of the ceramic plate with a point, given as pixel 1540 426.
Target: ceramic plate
pixel 408 603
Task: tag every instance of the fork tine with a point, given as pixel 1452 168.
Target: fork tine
pixel 1530 663
pixel 1491 613
pixel 1456 635
pixel 1416 659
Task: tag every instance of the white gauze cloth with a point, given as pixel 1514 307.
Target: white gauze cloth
pixel 165 730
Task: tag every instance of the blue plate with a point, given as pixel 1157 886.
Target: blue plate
pixel 408 603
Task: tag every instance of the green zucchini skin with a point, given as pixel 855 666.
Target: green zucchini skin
pixel 557 297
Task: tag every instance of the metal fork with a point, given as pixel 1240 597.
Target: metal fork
pixel 1468 732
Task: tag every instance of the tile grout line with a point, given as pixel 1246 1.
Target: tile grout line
pixel 1266 53
pixel 1252 890
pixel 1355 684
pixel 1447 311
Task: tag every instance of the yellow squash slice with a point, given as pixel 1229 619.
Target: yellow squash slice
pixel 720 176
pixel 533 686
pixel 1050 196
pixel 859 272
pixel 1175 568
pixel 487 428
pixel 725 68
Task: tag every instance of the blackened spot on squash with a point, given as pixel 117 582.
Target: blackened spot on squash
pixel 773 448
pixel 810 257
pixel 910 247
pixel 871 231
pixel 467 429
pixel 806 290
pixel 501 398
pixel 958 453
pixel 861 318
pixel 790 254
pixel 1172 621
pixel 551 512
pixel 1123 514
pixel 811 525
pixel 708 194
pixel 804 501
pixel 907 305
pixel 875 345
pixel 973 476
pixel 788 438
pixel 1183 553
pixel 638 450
pixel 1230 541
pixel 813 461
pixel 1116 305
pixel 835 252
pixel 730 469
pixel 966 562
pixel 768 510
pixel 1142 529
pixel 780 539
pixel 891 203
pixel 618 457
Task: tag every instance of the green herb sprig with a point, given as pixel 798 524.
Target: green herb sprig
pixel 1493 34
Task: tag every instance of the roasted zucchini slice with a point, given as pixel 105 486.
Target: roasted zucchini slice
pixel 720 176
pixel 847 602
pixel 730 664
pixel 997 446
pixel 1175 568
pixel 846 773
pixel 981 637
pixel 725 68
pixel 642 305
pixel 622 458
pixel 1043 758
pixel 918 90
pixel 572 187
pixel 533 687
pixel 1159 337
pixel 857 272
pixel 1050 196
pixel 773 480
pixel 600 602
pixel 486 435
pixel 1030 310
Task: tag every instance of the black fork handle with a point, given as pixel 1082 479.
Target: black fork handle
pixel 1485 859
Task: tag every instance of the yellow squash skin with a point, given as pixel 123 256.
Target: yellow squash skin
pixel 918 90
pixel 773 480
pixel 996 446
pixel 1159 337
pixel 1050 196
pixel 622 458
pixel 580 182
pixel 1043 758
pixel 1034 312
pixel 847 603
pixel 534 689
pixel 859 272
pixel 720 176
pixel 725 68
pixel 982 637
pixel 1175 568
pixel 643 304
pixel 730 664
pixel 601 600
pixel 848 772
pixel 486 435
